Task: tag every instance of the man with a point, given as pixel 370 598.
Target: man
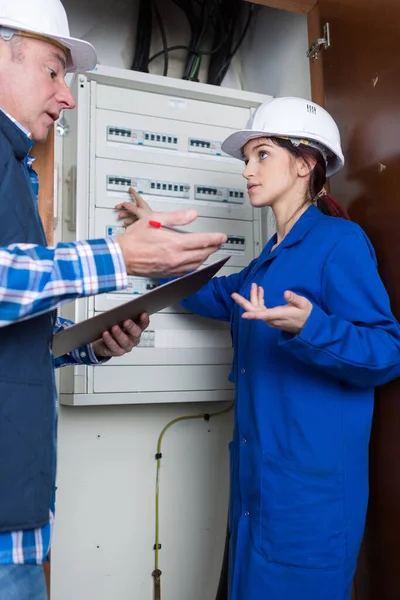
pixel 35 53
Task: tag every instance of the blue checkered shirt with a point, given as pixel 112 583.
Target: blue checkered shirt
pixel 34 280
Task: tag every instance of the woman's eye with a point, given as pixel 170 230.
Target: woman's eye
pixel 53 74
pixel 264 154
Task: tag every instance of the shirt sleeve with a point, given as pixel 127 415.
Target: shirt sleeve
pixel 81 356
pixel 353 335
pixel 36 279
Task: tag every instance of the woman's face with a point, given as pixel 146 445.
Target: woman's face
pixel 273 174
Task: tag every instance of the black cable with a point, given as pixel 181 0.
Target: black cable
pixel 191 16
pixel 195 58
pixel 217 79
pixel 143 37
pixel 194 41
pixel 228 11
pixel 163 37
pixel 173 48
pixel 208 19
pixel 221 15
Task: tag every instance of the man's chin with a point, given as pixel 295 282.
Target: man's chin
pixel 41 134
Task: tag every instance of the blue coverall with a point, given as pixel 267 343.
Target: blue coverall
pixel 303 410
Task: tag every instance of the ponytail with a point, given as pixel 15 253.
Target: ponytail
pixel 328 205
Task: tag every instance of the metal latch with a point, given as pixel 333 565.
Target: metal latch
pixel 320 43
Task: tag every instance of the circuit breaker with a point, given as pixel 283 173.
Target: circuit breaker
pixel 163 137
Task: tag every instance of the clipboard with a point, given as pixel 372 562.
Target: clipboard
pixel 151 302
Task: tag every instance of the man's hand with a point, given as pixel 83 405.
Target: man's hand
pixel 134 210
pixel 152 252
pixel 118 341
pixel 290 317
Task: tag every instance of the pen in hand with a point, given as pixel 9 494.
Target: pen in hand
pixel 159 225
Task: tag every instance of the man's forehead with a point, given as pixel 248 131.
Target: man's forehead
pixel 59 55
pixel 49 47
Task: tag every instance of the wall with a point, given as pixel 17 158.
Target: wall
pixel 104 539
pixel 104 533
pixel 273 56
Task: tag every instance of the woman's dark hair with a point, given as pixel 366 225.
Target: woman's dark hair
pixel 325 202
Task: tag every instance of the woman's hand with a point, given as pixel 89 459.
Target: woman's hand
pixel 291 317
pixel 134 210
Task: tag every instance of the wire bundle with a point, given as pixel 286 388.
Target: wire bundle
pixel 222 18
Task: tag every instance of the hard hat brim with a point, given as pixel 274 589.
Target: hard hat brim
pixel 233 145
pixel 83 56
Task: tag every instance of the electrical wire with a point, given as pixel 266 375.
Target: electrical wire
pixel 210 16
pixel 143 37
pixel 220 74
pixel 189 49
pixel 163 38
pixel 222 16
pixel 205 416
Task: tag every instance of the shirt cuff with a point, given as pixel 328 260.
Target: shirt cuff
pixel 315 322
pixel 85 356
pixel 103 266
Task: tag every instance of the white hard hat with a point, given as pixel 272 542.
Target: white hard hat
pixel 46 19
pixel 297 119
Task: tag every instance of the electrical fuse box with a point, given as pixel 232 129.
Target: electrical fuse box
pixel 163 137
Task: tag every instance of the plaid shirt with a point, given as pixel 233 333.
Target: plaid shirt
pixel 35 280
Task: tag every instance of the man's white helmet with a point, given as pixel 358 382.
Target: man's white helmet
pixel 46 19
pixel 297 119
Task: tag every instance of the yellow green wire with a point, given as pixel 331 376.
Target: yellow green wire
pixel 160 439
pixel 195 67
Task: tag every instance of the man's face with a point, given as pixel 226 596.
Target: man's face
pixel 32 85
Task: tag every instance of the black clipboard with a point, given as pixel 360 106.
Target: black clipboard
pixel 151 302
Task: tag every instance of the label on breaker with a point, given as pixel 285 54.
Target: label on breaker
pixel 115 230
pixel 140 137
pixel 202 146
pixel 140 285
pixel 147 339
pixel 155 187
pixel 219 194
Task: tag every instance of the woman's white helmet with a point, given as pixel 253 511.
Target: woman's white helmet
pixel 46 19
pixel 299 120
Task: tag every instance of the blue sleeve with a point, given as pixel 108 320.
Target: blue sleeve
pixel 36 279
pixel 214 299
pixel 354 337
pixel 81 356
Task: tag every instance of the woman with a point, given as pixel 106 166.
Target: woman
pixel 313 335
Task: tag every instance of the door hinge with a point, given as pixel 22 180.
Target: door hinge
pixel 320 43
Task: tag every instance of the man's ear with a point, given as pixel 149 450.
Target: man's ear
pixel 304 167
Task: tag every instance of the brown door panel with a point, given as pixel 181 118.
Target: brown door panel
pixel 362 91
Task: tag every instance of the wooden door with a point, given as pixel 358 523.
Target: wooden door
pixel 361 85
pixel 44 166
